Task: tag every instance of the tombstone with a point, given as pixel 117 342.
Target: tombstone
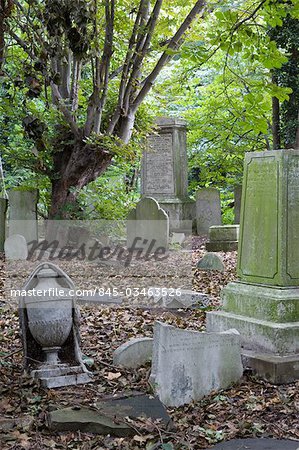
pixel 3 210
pixel 177 238
pixel 211 261
pixel 208 209
pixel 223 238
pixel 49 321
pixel 133 353
pixel 15 248
pixel 23 213
pixel 148 226
pixel 187 365
pixel 263 305
pixel 178 298
pixel 237 202
pixel 164 174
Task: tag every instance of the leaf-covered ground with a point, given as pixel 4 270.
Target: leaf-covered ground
pixel 251 408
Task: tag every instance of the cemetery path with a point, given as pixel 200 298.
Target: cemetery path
pixel 250 409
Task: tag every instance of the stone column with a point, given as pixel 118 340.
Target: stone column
pixel 237 199
pixel 263 305
pixel 3 209
pixel 208 209
pixel 164 174
pixel 23 213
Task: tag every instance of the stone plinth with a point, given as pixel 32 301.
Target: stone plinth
pixel 164 173
pixel 23 213
pixel 223 238
pixel 208 209
pixel 264 304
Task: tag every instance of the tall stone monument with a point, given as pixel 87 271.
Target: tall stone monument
pixel 263 305
pixel 208 209
pixel 164 172
pixel 23 213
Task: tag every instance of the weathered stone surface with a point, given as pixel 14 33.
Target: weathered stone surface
pixel 257 444
pixel 222 246
pixel 269 237
pixel 182 298
pixel 23 213
pixel 149 224
pixel 237 206
pixel 265 311
pixel 164 172
pixel 208 209
pixel 187 365
pixel 87 421
pixel 15 247
pixel 3 210
pixel 211 261
pixel 135 406
pixel 177 238
pixel 134 353
pixel 224 233
pixel 12 423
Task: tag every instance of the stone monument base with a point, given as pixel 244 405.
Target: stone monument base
pixel 181 214
pixel 222 246
pixel 265 318
pixel 223 238
pixel 60 375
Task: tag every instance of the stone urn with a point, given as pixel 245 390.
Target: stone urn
pixel 49 314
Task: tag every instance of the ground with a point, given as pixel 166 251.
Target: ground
pixel 251 408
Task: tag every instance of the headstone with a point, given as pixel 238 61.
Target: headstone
pixel 3 210
pixel 23 213
pixel 257 444
pixel 148 223
pixel 208 209
pixel 264 304
pixel 223 238
pixel 164 172
pixel 177 238
pixel 178 298
pixel 211 261
pixel 134 353
pixel 237 201
pixel 15 248
pixel 187 365
pixel 49 321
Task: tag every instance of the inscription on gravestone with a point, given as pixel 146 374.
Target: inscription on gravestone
pixel 158 165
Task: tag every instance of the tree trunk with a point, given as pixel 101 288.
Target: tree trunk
pixel 275 119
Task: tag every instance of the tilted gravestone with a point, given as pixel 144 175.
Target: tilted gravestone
pixel 211 261
pixel 208 209
pixel 133 353
pixel 15 248
pixel 164 172
pixel 3 210
pixel 237 201
pixel 187 365
pixel 148 226
pixel 264 304
pixel 23 213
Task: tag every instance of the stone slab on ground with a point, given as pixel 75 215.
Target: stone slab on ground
pixel 257 444
pixel 211 261
pixel 134 353
pixel 135 406
pixel 224 233
pixel 87 421
pixel 187 365
pixel 222 246
pixel 179 299
pixel 13 423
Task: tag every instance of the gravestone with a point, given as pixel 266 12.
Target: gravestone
pixel 23 213
pixel 187 365
pixel 178 299
pixel 263 305
pixel 223 238
pixel 148 226
pixel 3 210
pixel 49 321
pixel 237 201
pixel 164 172
pixel 208 209
pixel 15 248
pixel 211 261
pixel 134 353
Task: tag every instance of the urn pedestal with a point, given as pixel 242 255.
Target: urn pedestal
pixel 49 324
